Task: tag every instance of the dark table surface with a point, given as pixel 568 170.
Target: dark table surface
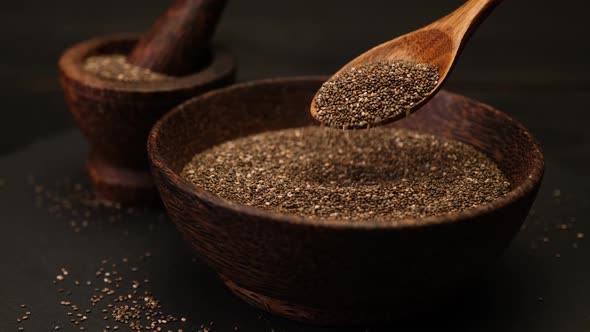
pixel 529 59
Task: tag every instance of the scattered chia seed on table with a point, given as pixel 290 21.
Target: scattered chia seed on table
pixel 380 174
pixel 115 67
pixel 77 204
pixel 119 296
pixel 366 96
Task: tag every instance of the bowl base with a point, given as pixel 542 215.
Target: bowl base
pixel 357 315
pixel 275 306
pixel 118 184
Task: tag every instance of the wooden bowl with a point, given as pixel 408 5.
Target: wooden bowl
pixel 337 272
pixel 116 117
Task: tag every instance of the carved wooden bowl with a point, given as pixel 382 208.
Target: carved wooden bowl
pixel 116 116
pixel 337 272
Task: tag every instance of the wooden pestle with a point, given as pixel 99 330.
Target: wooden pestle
pixel 178 42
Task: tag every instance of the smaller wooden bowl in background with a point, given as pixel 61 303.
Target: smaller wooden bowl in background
pixel 116 117
pixel 338 272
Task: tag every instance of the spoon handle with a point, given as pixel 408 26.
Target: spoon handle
pixel 462 22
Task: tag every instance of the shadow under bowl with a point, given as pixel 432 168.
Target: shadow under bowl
pixel 338 272
pixel 116 116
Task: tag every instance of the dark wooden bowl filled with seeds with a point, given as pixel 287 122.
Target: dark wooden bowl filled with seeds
pixel 115 104
pixel 342 227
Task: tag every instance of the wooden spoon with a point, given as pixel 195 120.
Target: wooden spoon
pixel 439 43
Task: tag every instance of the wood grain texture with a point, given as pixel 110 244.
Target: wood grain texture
pixel 331 272
pixel 116 116
pixel 439 44
pixel 179 41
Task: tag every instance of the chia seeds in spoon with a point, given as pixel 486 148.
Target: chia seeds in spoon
pixel 368 95
pixel 381 174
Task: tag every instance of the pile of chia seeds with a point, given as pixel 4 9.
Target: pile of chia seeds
pixel 381 174
pixel 115 67
pixel 369 95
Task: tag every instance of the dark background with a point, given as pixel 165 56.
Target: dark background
pixel 528 46
pixel 530 59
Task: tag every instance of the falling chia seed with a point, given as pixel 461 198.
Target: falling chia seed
pixel 115 67
pixel 371 94
pixel 380 174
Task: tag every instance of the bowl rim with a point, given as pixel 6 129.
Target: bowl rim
pixel 70 64
pixel 526 188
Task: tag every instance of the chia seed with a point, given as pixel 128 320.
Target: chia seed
pixel 371 94
pixel 382 174
pixel 115 67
